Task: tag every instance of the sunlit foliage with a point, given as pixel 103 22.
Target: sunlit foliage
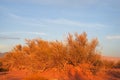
pixel 41 55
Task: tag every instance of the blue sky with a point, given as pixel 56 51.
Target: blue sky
pixel 54 19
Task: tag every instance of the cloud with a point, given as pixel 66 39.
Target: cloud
pixel 5 38
pixel 25 20
pixel 56 2
pixel 113 37
pixel 14 16
pixel 52 22
pixel 34 33
pixel 67 22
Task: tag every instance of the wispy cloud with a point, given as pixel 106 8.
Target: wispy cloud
pixel 67 22
pixel 113 37
pixel 33 33
pixel 6 37
pixel 14 16
pixel 25 20
pixel 52 22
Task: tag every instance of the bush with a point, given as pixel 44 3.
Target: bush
pixel 82 51
pixel 1 68
pixel 42 55
pixel 97 66
pixel 108 64
pixel 35 77
pixel 117 65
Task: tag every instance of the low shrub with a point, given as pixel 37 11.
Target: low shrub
pixel 117 65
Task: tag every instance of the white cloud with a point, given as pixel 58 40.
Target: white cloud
pixel 14 16
pixel 113 37
pixel 25 20
pixel 67 22
pixel 6 37
pixel 52 22
pixel 34 33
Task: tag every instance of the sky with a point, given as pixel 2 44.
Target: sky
pixel 54 19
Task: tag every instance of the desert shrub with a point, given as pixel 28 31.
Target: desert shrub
pixel 82 51
pixel 96 67
pixel 108 64
pixel 59 54
pixel 2 68
pixel 80 72
pixel 75 75
pixel 0 63
pixel 117 65
pixel 40 54
pixel 16 58
pixel 35 77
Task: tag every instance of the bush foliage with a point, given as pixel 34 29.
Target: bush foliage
pixel 40 54
pixel 117 65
